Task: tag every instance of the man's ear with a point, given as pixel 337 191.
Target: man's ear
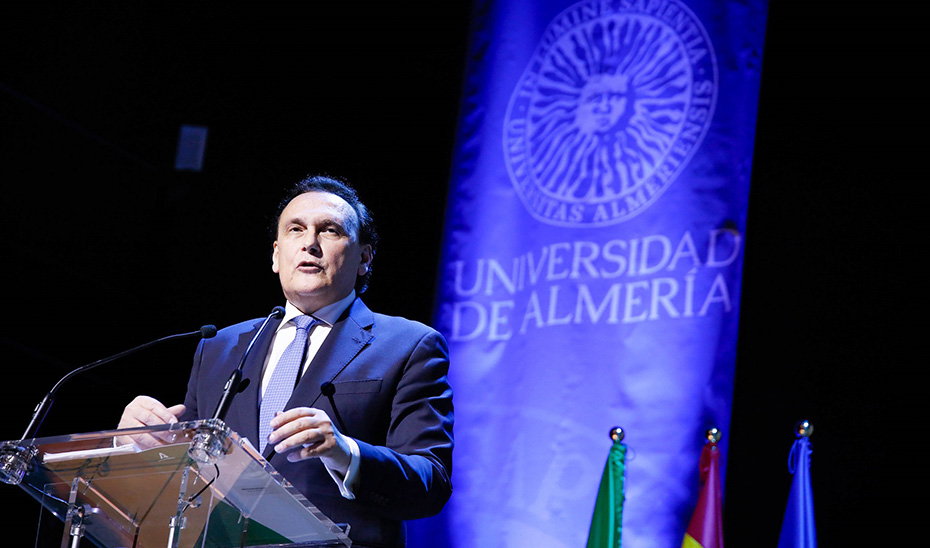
pixel 274 258
pixel 367 256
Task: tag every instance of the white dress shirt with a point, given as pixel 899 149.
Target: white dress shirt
pixel 287 330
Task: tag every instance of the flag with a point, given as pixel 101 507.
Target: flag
pixel 592 258
pixel 607 520
pixel 797 529
pixel 706 527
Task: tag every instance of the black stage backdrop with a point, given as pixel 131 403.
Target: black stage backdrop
pixel 105 246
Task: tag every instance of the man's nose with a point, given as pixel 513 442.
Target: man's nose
pixel 311 243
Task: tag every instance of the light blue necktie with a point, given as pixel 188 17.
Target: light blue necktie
pixel 284 377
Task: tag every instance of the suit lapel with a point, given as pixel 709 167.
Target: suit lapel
pixel 349 336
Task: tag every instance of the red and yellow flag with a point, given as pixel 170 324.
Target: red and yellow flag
pixel 706 527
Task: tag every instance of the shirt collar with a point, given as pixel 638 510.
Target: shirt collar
pixel 329 314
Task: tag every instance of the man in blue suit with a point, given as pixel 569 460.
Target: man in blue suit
pixel 366 435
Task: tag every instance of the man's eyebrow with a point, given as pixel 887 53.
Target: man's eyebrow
pixel 331 221
pixel 292 221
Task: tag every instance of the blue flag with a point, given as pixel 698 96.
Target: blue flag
pixel 798 530
pixel 592 259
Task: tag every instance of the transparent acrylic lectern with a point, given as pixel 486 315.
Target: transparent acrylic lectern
pixel 200 486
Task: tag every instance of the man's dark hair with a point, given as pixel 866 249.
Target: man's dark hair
pixel 367 233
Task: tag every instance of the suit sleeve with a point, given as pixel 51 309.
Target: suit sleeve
pixel 410 477
pixel 191 411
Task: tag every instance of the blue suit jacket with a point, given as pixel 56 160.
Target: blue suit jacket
pixel 391 395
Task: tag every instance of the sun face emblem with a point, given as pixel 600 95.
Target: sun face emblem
pixel 608 113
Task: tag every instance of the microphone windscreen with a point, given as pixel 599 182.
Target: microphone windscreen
pixel 208 331
pixel 277 312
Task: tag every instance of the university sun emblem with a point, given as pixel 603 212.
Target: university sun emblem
pixel 615 101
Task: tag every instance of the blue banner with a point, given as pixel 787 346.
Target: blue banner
pixel 592 260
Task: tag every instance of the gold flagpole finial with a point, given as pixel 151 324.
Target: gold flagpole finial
pixel 804 429
pixel 616 434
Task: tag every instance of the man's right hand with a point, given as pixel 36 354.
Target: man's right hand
pixel 146 411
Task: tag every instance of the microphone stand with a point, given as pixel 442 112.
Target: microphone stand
pixel 211 439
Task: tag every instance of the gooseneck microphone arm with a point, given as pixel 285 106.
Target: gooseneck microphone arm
pixel 42 409
pixel 231 388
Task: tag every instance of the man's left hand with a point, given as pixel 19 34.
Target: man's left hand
pixel 306 432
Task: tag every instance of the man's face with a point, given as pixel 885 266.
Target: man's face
pixel 317 254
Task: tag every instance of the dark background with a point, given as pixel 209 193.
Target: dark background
pixel 105 246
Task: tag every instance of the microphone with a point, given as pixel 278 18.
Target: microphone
pixel 41 410
pixel 328 389
pixel 231 388
pixel 15 457
pixel 211 440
